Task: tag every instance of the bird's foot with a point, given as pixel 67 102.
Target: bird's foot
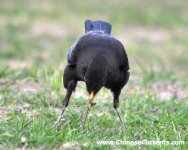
pixel 59 122
pixel 122 128
pixel 83 119
pixel 82 127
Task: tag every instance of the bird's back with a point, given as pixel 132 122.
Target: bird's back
pixel 101 48
pixel 95 44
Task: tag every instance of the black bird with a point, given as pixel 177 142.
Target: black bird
pixel 100 61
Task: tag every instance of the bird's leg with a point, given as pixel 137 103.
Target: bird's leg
pixel 122 124
pixel 65 104
pixel 84 116
pixel 70 88
pixel 116 107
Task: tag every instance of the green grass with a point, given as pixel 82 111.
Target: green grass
pixel 146 119
pixel 34 39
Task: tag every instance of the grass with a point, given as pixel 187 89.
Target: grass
pixel 146 118
pixel 34 39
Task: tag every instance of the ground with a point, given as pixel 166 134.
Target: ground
pixel 34 39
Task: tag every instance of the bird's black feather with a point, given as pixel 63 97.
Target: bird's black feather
pixel 100 60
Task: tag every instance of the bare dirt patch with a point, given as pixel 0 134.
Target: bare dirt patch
pixel 27 86
pixel 138 33
pixel 45 27
pixel 24 109
pixel 162 90
pixel 166 90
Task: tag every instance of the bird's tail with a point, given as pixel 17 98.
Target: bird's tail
pixel 97 69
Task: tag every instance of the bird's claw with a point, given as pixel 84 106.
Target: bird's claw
pixel 122 128
pixel 83 118
pixel 59 121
